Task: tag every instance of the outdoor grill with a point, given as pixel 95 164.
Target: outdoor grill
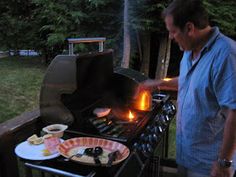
pixel 74 86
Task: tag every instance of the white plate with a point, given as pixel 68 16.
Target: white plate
pixel 33 152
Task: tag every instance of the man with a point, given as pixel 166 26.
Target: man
pixel 206 118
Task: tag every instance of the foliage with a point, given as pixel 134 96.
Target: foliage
pixel 45 25
pixel 146 15
pixel 222 14
pixel 14 24
pixel 48 23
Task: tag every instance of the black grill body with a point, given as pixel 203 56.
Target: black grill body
pixel 76 85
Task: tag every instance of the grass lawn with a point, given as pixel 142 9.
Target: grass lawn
pixel 20 81
pixel 172 144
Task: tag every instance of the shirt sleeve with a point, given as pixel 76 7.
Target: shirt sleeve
pixel 224 81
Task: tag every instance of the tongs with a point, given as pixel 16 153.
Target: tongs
pixel 79 153
pixel 95 153
pixel 112 157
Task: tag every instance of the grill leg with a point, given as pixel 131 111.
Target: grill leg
pixel 71 49
pixel 153 167
pixel 100 46
pixel 28 172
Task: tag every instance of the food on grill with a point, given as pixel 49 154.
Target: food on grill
pixel 116 129
pixel 98 121
pixel 101 112
pixel 35 140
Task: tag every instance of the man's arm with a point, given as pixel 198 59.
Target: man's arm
pixel 228 146
pixel 162 84
pixel 229 141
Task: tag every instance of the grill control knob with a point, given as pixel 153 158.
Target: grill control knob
pixel 143 136
pixel 169 108
pixel 154 138
pixel 150 140
pixel 149 128
pixel 155 130
pixel 160 129
pixel 149 148
pixel 136 145
pixel 163 119
pixel 157 118
pixel 144 148
pixel 167 118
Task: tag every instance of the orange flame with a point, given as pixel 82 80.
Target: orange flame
pixel 130 116
pixel 167 79
pixel 144 101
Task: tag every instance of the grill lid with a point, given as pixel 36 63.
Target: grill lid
pixel 73 84
pixel 69 79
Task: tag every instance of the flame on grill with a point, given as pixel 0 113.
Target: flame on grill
pixel 130 116
pixel 144 101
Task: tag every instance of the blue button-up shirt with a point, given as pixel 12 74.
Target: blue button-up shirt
pixel 206 88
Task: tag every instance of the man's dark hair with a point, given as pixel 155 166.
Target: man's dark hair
pixel 184 11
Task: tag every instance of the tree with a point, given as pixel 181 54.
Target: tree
pixel 222 14
pixel 146 22
pixel 45 25
pixel 126 48
pixel 58 20
pixel 15 17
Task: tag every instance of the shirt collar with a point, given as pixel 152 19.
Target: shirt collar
pixel 206 47
pixel 212 38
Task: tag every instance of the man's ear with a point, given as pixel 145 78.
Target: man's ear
pixel 189 27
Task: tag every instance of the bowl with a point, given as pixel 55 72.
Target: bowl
pixel 56 130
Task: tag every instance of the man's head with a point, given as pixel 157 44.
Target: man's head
pixel 183 18
pixel 184 11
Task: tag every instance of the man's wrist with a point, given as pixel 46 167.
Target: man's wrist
pixel 224 163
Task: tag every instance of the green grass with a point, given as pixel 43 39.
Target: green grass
pixel 172 143
pixel 20 81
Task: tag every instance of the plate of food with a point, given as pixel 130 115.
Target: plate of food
pixel 34 148
pixel 93 151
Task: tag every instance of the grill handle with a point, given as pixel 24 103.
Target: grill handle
pixel 56 171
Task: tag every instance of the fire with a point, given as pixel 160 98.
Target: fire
pixel 144 101
pixel 130 116
pixel 167 79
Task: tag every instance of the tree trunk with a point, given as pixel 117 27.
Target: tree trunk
pixel 126 50
pixel 163 57
pixel 145 38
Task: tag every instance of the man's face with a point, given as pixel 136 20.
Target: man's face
pixel 175 33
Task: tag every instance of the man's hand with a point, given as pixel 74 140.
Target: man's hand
pixel 218 171
pixel 149 85
pixel 162 84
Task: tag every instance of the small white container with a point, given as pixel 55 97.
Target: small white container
pixel 56 130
